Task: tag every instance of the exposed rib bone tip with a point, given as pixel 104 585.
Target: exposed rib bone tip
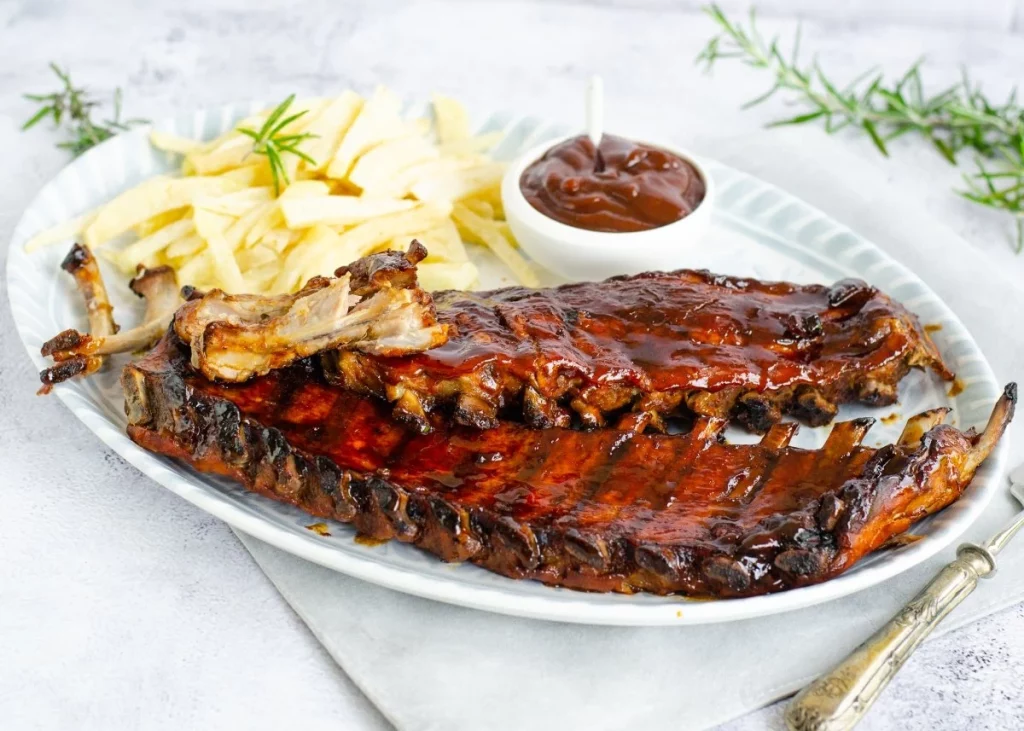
pixel 709 427
pixel 76 257
pixel 780 435
pixel 1010 392
pixel 919 424
pixel 847 434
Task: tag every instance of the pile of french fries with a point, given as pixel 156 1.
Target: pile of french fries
pixel 376 182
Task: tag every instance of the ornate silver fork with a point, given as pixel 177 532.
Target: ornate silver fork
pixel 839 699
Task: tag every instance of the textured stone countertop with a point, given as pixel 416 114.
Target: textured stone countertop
pixel 122 606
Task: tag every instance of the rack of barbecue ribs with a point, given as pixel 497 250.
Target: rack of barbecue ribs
pixel 602 510
pixel 651 346
pixel 522 440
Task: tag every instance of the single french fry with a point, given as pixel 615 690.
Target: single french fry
pixel 280 239
pixel 61 232
pixel 306 189
pixel 256 257
pixel 338 210
pixel 450 119
pixel 318 238
pixel 459 184
pixel 236 204
pixel 197 271
pixel 255 172
pixel 185 246
pixel 211 227
pixel 375 168
pixel 480 207
pixel 487 233
pixel 159 221
pixel 434 276
pixel 377 121
pixel 402 183
pixel 230 153
pixel 147 246
pixel 236 232
pixel 330 127
pixel 471 145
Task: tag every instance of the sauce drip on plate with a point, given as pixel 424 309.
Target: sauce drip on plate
pixel 619 186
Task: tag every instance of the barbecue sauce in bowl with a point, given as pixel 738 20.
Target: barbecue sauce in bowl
pixel 619 186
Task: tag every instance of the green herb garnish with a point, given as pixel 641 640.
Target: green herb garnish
pixel 72 107
pixel 270 142
pixel 956 119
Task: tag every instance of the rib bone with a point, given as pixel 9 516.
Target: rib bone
pixel 82 265
pixel 374 305
pixel 80 354
pixel 916 426
pixel 779 436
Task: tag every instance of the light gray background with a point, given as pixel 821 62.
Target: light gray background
pixel 121 606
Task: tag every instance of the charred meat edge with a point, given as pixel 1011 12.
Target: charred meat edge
pixel 168 416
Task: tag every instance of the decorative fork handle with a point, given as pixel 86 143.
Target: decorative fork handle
pixel 840 698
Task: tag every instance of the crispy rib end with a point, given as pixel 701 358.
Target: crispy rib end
pixel 79 354
pixel 374 305
pixel 605 510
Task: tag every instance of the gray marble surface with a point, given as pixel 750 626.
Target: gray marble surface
pixel 121 606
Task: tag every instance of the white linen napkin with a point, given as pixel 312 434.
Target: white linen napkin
pixel 428 665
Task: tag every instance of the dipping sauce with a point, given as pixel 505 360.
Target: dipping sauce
pixel 620 186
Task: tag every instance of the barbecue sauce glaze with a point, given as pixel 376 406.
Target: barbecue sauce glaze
pixel 619 186
pixel 598 510
pixel 653 337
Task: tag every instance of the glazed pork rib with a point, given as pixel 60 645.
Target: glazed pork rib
pixel 603 510
pixel 374 304
pixel 650 346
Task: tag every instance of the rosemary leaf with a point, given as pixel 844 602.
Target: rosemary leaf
pixel 958 119
pixel 869 127
pixel 71 107
pixel 270 143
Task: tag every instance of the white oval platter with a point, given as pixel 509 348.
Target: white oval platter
pixel 758 231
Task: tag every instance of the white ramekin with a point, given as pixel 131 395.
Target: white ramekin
pixel 579 254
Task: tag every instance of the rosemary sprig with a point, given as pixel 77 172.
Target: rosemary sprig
pixel 72 107
pixel 960 118
pixel 270 142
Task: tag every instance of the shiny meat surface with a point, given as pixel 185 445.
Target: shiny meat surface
pixel 605 510
pixel 656 344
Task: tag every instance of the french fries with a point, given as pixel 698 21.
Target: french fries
pixel 377 181
pixel 495 236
